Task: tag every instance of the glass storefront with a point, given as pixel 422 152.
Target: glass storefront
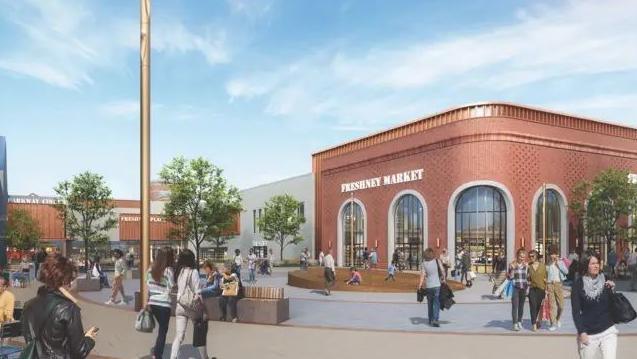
pixel 553 223
pixel 481 226
pixel 353 234
pixel 408 231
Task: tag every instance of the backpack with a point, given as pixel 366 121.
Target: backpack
pixel 188 299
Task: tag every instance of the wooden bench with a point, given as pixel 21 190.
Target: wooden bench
pixel 260 305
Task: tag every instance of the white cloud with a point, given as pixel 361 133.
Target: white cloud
pixel 63 43
pixel 250 8
pixel 129 110
pixel 609 107
pixel 395 81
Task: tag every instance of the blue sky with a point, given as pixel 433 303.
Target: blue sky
pixel 258 86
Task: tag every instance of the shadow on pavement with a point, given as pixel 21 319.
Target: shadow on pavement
pixel 187 351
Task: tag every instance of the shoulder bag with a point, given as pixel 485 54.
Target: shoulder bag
pixel 620 308
pixel 188 299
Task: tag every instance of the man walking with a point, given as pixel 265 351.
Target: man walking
pixel 329 272
pixel 632 268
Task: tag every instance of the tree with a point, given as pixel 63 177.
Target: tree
pixel 23 231
pixel 86 205
pixel 282 221
pixel 610 197
pixel 202 205
pixel 579 197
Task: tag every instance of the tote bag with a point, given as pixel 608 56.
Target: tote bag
pixel 620 309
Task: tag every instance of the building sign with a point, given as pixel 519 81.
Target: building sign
pixel 32 199
pixel 396 178
pixel 135 218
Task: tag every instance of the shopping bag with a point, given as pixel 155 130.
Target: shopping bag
pixel 500 291
pixel 145 322
pixel 508 290
pixel 472 275
pixel 200 332
pixel 545 309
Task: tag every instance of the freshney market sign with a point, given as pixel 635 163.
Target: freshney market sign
pixel 396 178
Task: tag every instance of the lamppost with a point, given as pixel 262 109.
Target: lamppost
pixel 144 253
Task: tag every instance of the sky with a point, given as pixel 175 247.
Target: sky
pixel 257 86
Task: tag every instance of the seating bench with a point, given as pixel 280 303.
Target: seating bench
pixel 260 305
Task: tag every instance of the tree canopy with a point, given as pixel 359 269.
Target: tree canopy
pixel 282 221
pixel 23 231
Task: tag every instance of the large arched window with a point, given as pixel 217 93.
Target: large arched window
pixel 481 225
pixel 553 220
pixel 408 230
pixel 353 234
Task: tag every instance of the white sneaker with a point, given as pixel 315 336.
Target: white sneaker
pixel 109 302
pixel 516 327
pixel 552 328
pixel 559 324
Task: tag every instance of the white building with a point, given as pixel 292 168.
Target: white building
pixel 253 202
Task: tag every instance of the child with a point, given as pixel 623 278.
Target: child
pixel 391 272
pixel 355 279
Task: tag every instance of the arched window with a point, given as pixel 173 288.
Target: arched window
pixel 481 226
pixel 353 234
pixel 553 221
pixel 408 231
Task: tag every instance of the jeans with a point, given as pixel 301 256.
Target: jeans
pixel 162 315
pixel 252 278
pixel 517 304
pixel 223 305
pixel 536 296
pixel 604 343
pixel 433 303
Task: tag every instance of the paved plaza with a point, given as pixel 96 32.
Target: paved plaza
pixel 350 324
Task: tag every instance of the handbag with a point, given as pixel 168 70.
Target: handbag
pixel 188 299
pixel 620 309
pixel 230 289
pixel 508 290
pixel 145 321
pixel 200 332
pixel 420 294
pixel 31 349
pixel 472 275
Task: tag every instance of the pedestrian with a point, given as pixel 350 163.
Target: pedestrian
pixel 518 274
pixel 395 258
pixel 537 288
pixel 556 275
pixel 365 258
pixel 320 258
pixel 632 269
pixel 329 272
pixel 160 281
pixel 612 263
pixel 54 316
pixel 499 272
pixel 391 272
pixel 230 285
pixel 431 278
pixel 444 260
pixel 373 258
pixel 252 267
pixel 237 261
pixel 40 256
pixel 303 258
pixel 590 303
pixel 465 259
pixel 118 279
pixel 355 277
pixel 188 289
pixel 270 261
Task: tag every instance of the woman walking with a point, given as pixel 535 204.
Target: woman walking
pixel 160 281
pixel 537 291
pixel 54 314
pixel 518 274
pixel 187 293
pixel 590 302
pixel 431 278
pixel 118 278
pixel 556 274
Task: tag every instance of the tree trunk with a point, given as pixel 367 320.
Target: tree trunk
pixel 86 257
pixel 281 241
pixel 197 254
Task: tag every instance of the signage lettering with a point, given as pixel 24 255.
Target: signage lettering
pixel 402 177
pixel 32 200
pixel 138 218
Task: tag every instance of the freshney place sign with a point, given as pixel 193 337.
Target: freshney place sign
pixel 396 178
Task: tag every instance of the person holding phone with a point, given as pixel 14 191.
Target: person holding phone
pixel 53 317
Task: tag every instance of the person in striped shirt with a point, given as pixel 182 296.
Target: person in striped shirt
pixel 518 275
pixel 160 281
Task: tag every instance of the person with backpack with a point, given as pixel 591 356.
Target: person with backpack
pixel 52 322
pixel 189 305
pixel 431 278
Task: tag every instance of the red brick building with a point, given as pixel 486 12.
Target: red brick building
pixel 467 177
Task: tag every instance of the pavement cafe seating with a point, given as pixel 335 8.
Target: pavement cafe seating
pixel 260 305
